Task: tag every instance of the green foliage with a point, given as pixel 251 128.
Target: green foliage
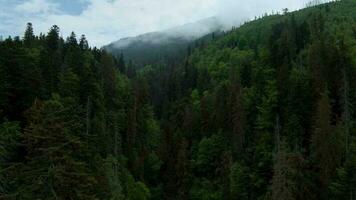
pixel 208 155
pixel 29 37
pixel 283 185
pixel 326 150
pixel 114 172
pixel 344 185
pixel 203 125
pixel 9 144
pixel 203 189
pixel 139 192
pixel 10 136
pixel 71 103
pixel 239 181
pixel 54 165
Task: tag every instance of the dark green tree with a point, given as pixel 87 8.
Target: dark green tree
pixel 29 37
pixel 325 143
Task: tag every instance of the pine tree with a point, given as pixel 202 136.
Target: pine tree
pixel 238 120
pixel 83 43
pixel 344 185
pixel 72 40
pixel 9 145
pixel 53 38
pixel 121 64
pixel 131 70
pixel 325 142
pixel 29 37
pixel 283 186
pixel 51 60
pixel 54 166
pixel 113 173
pixel 239 182
pixel 68 84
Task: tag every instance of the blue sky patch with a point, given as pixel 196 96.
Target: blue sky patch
pixel 72 7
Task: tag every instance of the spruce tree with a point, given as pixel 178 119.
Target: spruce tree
pixel 54 166
pixel 283 185
pixel 83 43
pixel 325 142
pixel 29 37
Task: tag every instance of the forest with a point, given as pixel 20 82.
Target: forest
pixel 264 111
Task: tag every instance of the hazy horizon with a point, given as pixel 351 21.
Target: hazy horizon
pixel 109 20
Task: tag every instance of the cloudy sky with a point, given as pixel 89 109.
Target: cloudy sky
pixel 104 21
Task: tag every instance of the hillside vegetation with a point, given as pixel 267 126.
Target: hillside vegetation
pixel 264 111
pixel 166 46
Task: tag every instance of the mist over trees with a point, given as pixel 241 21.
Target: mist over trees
pixel 264 111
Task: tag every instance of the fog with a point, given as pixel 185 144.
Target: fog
pixel 104 21
pixel 227 14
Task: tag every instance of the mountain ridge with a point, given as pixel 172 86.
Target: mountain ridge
pixel 189 31
pixel 163 45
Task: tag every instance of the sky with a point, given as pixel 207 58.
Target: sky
pixel 104 21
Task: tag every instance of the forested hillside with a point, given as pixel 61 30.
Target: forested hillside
pixel 71 125
pixel 264 111
pixel 166 46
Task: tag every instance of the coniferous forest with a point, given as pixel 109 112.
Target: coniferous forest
pixel 265 111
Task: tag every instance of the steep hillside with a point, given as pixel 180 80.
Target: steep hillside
pixel 265 111
pixel 163 46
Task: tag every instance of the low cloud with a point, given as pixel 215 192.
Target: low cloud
pixel 104 21
pixel 37 7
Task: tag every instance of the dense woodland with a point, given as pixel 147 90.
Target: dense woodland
pixel 264 111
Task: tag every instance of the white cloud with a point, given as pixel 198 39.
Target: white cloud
pixel 104 21
pixel 37 7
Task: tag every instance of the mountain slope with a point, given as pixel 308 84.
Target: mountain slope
pixel 263 112
pixel 165 45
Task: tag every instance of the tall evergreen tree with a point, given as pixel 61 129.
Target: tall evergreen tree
pixel 83 43
pixel 283 186
pixel 54 167
pixel 325 142
pixel 29 37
